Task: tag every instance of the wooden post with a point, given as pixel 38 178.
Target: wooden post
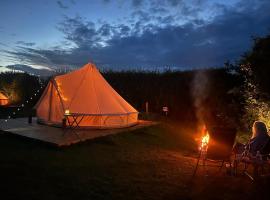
pixel 30 119
pixel 146 107
pixel 64 122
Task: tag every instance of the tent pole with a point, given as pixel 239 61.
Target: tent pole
pixel 50 104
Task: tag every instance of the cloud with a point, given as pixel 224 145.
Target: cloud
pixel 62 5
pixel 137 3
pixel 3 44
pixel 25 43
pixel 156 42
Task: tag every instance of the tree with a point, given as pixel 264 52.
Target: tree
pixel 257 64
pixel 255 68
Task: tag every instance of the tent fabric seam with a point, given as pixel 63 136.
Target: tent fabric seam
pixel 59 95
pixel 96 95
pixel 77 88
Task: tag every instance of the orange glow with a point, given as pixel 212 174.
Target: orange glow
pixel 61 91
pixel 204 139
pixel 67 112
pixel 3 99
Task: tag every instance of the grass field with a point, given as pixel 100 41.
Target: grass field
pixel 151 163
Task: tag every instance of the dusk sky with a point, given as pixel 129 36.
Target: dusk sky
pixel 129 34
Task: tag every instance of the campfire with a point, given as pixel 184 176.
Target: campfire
pixel 214 151
pixel 203 145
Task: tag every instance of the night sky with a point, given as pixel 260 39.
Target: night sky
pixel 129 34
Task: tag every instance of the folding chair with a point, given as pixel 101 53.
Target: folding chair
pixel 219 148
pixel 259 162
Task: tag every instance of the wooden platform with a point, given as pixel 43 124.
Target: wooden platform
pixel 55 135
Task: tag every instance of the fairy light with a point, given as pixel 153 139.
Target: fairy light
pixel 27 101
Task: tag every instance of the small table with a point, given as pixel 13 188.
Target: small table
pixel 73 120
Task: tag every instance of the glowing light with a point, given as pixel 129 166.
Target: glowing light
pixel 203 145
pixel 14 113
pixel 205 140
pixel 6 120
pixel 67 112
pixel 22 105
pixel 18 109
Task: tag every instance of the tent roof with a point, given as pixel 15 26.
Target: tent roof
pixel 85 91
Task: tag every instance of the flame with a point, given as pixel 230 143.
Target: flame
pixel 204 139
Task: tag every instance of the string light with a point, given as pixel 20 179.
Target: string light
pixel 27 101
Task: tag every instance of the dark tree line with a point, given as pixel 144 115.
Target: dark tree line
pixel 174 89
pixel 171 89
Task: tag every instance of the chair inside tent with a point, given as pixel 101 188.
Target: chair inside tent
pixel 86 94
pixel 3 99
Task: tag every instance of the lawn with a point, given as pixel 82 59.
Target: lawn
pixel 151 163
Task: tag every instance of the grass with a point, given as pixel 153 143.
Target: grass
pixel 150 163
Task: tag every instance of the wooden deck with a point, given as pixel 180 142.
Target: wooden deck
pixel 56 136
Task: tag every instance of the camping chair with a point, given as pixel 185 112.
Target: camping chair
pixel 219 148
pixel 259 162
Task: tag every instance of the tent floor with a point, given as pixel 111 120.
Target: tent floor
pixel 56 136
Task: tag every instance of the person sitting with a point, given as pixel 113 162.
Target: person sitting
pixel 257 141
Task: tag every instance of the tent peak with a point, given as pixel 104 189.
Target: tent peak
pixel 90 65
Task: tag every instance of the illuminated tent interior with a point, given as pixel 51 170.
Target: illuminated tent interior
pixel 84 92
pixel 3 99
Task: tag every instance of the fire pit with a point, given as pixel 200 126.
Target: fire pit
pixel 215 145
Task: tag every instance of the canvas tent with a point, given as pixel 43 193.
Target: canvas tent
pixel 3 99
pixel 86 93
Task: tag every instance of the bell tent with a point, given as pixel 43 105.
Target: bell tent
pixel 84 93
pixel 3 99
